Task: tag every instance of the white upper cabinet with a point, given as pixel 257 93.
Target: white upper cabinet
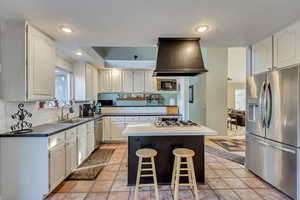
pixel 116 80
pixel 138 81
pixel 28 63
pixel 127 81
pixel 105 81
pixel 287 46
pixel 150 82
pixel 41 65
pixel 83 80
pixel 262 56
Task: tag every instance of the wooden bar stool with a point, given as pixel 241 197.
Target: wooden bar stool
pixel 188 154
pixel 146 153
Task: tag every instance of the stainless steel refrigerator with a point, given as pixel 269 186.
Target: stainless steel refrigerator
pixel 272 126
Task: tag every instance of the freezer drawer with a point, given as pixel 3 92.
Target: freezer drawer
pixel 256 148
pixel 281 164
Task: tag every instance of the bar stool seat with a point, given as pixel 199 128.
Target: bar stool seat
pixel 183 152
pixel 187 154
pixel 146 153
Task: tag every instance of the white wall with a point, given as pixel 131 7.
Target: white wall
pixel 216 89
pixel 231 87
pixel 210 91
pixel 237 64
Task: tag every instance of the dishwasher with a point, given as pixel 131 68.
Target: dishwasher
pixel 98 132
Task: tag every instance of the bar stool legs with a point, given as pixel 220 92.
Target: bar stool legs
pixel 146 153
pixel 175 183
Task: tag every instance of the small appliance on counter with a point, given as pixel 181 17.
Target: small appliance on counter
pixel 106 102
pixel 88 110
pixel 98 107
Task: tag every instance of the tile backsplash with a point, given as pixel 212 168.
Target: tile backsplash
pixel 39 116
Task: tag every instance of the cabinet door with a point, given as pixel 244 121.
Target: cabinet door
pixel 40 66
pixel 89 82
pixel 57 161
pixel 105 81
pixel 127 81
pixel 106 129
pixel 287 46
pixel 91 142
pixel 139 81
pixel 262 56
pixel 71 156
pixel 82 143
pixel 116 130
pixel 82 149
pixel 150 82
pixel 116 80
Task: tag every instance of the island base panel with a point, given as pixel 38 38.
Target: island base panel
pixel 165 159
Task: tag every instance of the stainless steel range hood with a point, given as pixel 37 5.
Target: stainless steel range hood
pixel 179 57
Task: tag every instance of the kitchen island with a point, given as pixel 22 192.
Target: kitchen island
pixel 164 140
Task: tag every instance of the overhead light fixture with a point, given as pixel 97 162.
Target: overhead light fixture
pixel 66 29
pixel 78 53
pixel 202 28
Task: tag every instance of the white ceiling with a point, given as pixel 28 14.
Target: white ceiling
pixel 141 22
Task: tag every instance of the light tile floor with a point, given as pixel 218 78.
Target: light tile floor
pixel 225 180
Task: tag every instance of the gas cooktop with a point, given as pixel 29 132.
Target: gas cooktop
pixel 171 123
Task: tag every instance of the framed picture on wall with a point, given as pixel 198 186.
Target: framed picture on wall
pixel 191 94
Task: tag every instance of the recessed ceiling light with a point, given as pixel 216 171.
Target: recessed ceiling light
pixel 78 53
pixel 66 29
pixel 202 28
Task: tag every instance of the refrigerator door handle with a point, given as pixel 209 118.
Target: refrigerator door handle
pixel 268 105
pixel 283 149
pixel 262 104
pixel 263 143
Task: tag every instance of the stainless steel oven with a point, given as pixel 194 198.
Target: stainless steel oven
pixel 167 84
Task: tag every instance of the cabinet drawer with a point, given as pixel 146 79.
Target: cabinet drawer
pixel 56 139
pixel 117 119
pixel 147 119
pixel 71 134
pixel 132 119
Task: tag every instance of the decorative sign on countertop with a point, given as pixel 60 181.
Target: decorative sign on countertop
pixel 21 126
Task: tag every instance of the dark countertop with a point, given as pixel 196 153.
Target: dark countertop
pixel 138 114
pixel 47 130
pixel 140 106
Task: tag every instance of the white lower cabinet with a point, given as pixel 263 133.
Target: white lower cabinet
pixel 42 163
pixel 71 150
pixel 57 162
pixel 71 156
pixel 116 131
pixel 82 143
pixel 114 126
pixel 90 137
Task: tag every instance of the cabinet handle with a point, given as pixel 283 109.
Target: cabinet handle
pixel 283 149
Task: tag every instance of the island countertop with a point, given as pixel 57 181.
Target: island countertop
pixel 149 129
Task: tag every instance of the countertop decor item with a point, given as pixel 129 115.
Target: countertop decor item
pixel 22 126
